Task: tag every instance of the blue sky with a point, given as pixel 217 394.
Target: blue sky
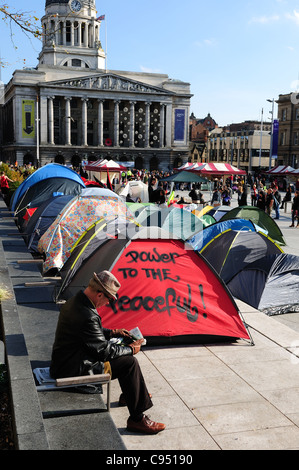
pixel 235 55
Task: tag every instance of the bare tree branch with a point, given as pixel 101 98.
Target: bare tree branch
pixel 26 21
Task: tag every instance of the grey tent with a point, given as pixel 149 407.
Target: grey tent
pixel 270 284
pixel 230 251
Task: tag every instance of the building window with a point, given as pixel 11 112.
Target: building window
pixel 76 63
pixel 282 138
pixel 284 115
pixel 295 140
pixel 68 32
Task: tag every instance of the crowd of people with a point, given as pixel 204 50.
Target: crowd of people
pixel 254 189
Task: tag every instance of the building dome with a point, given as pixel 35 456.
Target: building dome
pixel 63 2
pixel 51 2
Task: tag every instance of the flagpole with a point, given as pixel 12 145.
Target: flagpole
pixel 106 43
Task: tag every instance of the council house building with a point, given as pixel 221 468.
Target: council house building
pixel 70 108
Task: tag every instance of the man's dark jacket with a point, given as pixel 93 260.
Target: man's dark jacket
pixel 81 344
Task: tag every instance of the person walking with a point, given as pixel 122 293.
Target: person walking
pixel 4 184
pixel 287 197
pixel 295 209
pixel 277 202
pixel 269 201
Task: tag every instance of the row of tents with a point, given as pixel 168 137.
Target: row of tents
pixel 180 267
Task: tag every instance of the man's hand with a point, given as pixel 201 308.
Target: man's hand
pixel 136 345
pixel 122 333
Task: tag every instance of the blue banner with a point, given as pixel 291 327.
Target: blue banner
pixel 179 124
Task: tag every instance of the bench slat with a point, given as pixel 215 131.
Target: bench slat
pixel 85 379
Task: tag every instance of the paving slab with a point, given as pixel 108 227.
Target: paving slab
pixel 230 396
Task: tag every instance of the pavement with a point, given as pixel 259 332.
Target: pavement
pixel 224 396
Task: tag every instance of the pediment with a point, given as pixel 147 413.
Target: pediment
pixel 110 82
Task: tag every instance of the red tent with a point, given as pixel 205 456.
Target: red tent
pixel 105 165
pixel 215 169
pixel 171 294
pixel 281 170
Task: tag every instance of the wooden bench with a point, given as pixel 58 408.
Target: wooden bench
pixel 58 384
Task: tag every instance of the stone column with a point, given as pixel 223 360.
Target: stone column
pixel 168 124
pixel 56 32
pixel 72 33
pixel 162 124
pixel 68 120
pixel 84 121
pixel 44 132
pixel 85 44
pixel 132 123
pixel 79 33
pixel 50 120
pixel 147 123
pixel 100 122
pixel 116 123
pixel 64 33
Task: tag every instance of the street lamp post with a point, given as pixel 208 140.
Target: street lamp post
pixel 271 141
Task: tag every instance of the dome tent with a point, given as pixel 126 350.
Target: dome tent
pixel 42 218
pixel 60 177
pixel 230 251
pixel 258 217
pixel 158 292
pixel 270 284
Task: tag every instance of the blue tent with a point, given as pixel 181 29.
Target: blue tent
pixel 42 218
pixel 47 172
pixel 203 237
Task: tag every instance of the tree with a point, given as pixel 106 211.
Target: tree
pixel 24 20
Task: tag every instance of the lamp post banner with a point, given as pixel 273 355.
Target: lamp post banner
pixel 275 138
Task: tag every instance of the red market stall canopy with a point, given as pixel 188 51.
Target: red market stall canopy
pixel 281 170
pixel 214 169
pixel 186 166
pixel 105 165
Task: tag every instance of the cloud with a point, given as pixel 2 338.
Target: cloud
pixel 294 16
pixel 149 70
pixel 205 42
pixel 264 19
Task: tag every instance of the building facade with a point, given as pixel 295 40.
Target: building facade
pixel 199 134
pixel 70 108
pixel 288 137
pixel 247 149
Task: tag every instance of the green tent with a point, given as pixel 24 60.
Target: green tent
pixel 258 217
pixel 185 177
pixel 177 221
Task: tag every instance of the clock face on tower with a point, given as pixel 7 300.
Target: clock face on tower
pixel 75 6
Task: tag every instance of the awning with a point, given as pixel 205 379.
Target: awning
pixel 281 170
pixel 105 165
pixel 214 169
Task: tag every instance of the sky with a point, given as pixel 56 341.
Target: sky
pixel 235 54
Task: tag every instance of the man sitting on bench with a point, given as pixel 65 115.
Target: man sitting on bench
pixel 82 347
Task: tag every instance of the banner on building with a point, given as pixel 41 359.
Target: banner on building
pixel 275 138
pixel 179 124
pixel 28 118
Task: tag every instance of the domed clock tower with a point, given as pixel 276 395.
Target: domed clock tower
pixel 72 35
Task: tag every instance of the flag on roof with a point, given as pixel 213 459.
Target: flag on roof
pixel 101 18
